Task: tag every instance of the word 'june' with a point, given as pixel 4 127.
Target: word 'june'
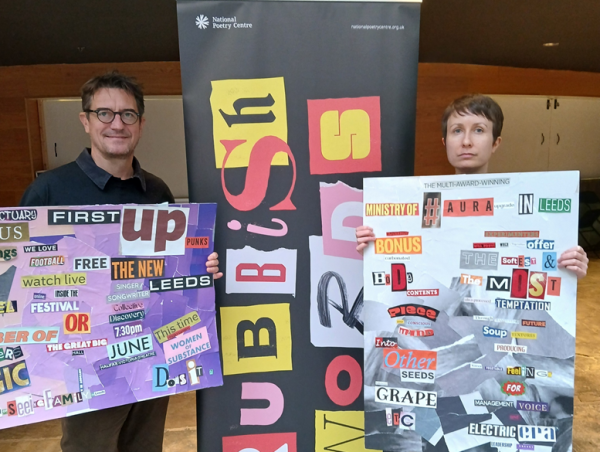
pixel 129 347
pixel 59 217
pixel 123 268
pixel 181 283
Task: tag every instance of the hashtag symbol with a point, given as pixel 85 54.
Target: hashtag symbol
pixel 431 215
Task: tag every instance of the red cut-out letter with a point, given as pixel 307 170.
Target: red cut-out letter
pixel 398 277
pixel 520 283
pixel 162 228
pixel 145 232
pixel 260 273
pixel 257 176
pixel 343 397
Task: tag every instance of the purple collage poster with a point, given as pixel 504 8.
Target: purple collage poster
pixel 103 306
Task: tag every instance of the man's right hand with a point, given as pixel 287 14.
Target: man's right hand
pixel 364 235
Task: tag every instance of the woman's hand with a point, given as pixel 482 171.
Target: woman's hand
pixel 212 266
pixel 364 235
pixel 576 260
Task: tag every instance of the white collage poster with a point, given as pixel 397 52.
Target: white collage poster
pixel 469 320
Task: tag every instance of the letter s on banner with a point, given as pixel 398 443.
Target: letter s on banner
pixel 343 363
pixel 344 135
pixel 257 176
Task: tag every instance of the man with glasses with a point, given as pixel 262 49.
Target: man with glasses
pixel 108 173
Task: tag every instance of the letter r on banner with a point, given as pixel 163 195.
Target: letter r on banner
pixel 261 391
pixel 267 442
pixel 344 135
pixel 341 214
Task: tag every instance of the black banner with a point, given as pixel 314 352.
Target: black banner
pixel 288 105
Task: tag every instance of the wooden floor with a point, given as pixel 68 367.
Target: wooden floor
pixel 180 435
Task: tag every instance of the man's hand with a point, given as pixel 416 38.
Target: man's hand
pixel 576 260
pixel 212 266
pixel 364 235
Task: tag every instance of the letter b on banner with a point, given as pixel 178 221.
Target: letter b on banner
pixel 256 338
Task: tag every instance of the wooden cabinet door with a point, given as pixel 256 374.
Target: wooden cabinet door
pixel 575 143
pixel 525 135
pixel 64 135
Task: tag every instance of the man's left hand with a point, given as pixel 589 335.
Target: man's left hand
pixel 212 266
pixel 576 260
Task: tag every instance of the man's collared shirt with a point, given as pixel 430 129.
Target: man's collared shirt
pixel 82 182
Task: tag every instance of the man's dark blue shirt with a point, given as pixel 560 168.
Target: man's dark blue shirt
pixel 82 182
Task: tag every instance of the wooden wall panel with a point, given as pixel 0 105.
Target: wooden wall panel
pixel 438 85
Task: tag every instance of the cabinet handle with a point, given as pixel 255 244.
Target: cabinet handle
pixel 548 104
pixel 543 139
pixel 557 138
pixel 556 104
pixel 55 153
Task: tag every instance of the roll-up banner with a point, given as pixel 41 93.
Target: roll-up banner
pixel 288 105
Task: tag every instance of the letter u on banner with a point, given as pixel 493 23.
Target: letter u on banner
pixel 261 416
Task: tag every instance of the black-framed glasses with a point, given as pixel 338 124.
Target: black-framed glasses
pixel 106 115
